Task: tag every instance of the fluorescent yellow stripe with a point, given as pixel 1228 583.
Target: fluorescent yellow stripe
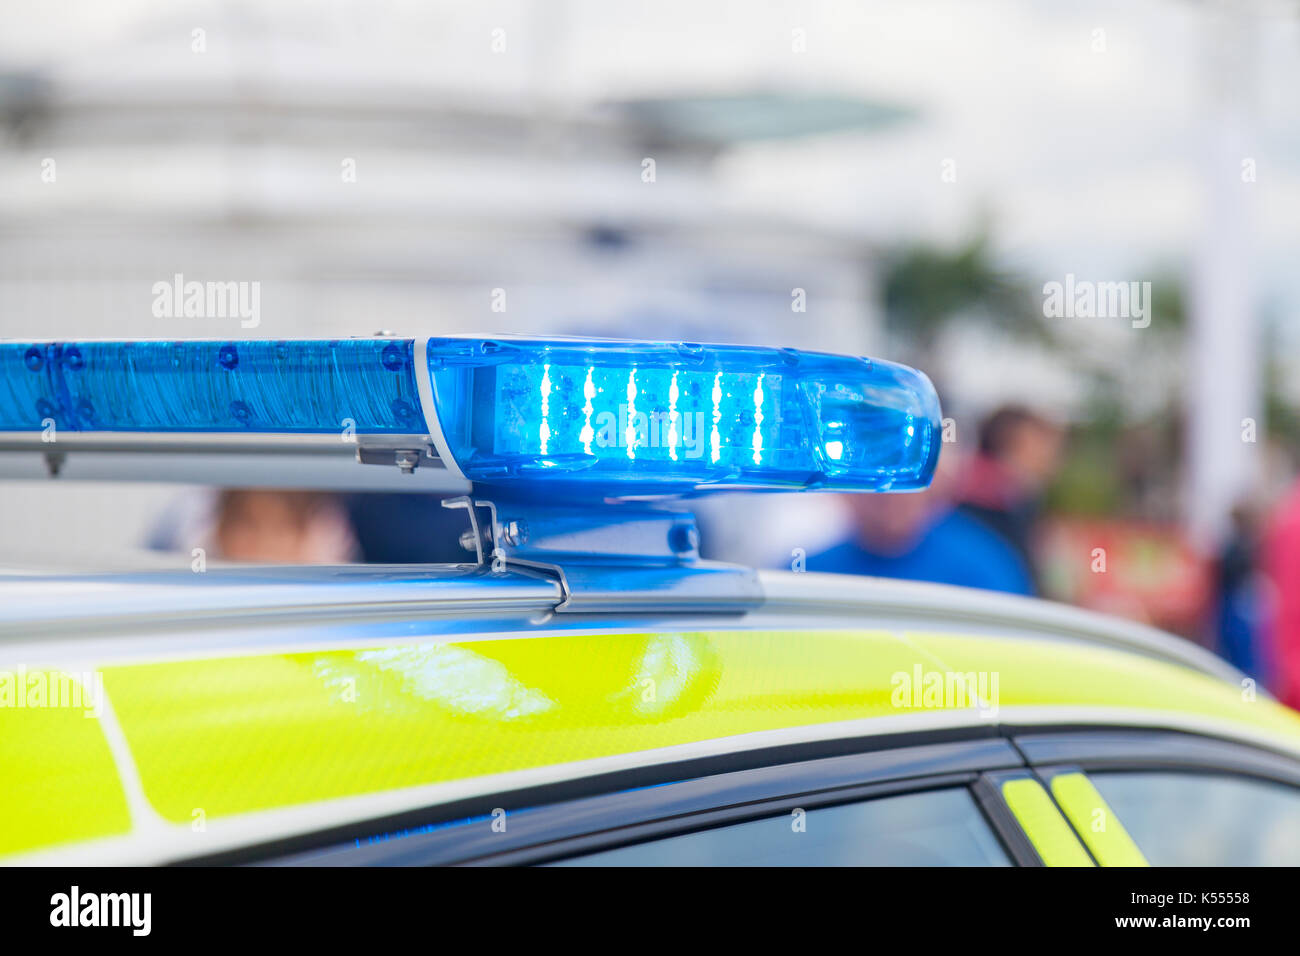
pixel 58 782
pixel 249 733
pixel 1063 674
pixel 1095 821
pixel 1043 823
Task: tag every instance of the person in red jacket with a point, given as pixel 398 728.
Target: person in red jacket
pixel 1282 566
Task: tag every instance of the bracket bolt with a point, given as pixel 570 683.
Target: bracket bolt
pixel 683 538
pixel 468 540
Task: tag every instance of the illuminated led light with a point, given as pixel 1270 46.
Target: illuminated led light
pixel 656 417
pixel 715 440
pixel 544 432
pixel 674 416
pixel 631 414
pixel 588 434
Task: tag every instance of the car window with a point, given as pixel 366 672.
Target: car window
pixel 1197 819
pixel 933 828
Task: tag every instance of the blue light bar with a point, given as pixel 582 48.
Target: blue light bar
pixel 252 386
pixel 595 417
pixel 634 416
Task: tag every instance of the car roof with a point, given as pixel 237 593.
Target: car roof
pixel 281 701
pixel 124 605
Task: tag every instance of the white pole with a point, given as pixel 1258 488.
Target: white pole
pixel 1224 382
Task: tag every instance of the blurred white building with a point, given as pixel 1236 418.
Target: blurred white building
pixel 392 164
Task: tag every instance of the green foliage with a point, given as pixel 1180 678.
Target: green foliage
pixel 926 288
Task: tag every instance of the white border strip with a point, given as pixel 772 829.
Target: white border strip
pixel 424 385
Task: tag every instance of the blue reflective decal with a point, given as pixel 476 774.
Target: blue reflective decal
pixel 242 386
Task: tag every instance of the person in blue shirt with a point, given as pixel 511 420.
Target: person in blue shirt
pixel 922 537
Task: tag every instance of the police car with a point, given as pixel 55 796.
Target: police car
pixel 583 689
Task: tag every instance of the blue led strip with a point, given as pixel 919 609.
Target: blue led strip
pixel 249 386
pixel 671 416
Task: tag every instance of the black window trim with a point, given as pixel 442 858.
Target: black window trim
pixel 726 816
pixel 624 813
pixel 1104 749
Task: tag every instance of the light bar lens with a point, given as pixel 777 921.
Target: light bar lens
pixel 250 386
pixel 637 417
pixel 663 415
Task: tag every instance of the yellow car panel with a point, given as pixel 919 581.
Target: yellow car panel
pixel 236 734
pixel 1047 830
pixel 1095 821
pixel 1061 674
pixel 58 781
pixel 240 733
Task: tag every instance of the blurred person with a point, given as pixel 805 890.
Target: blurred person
pixel 406 528
pixel 1242 596
pixel 312 527
pixel 289 527
pixel 922 537
pixel 1003 483
pixel 1281 564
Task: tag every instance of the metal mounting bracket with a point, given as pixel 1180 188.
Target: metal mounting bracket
pixel 608 556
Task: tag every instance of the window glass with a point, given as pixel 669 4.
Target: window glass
pixel 1195 819
pixel 934 828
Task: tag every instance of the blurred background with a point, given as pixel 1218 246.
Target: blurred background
pixel 908 180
